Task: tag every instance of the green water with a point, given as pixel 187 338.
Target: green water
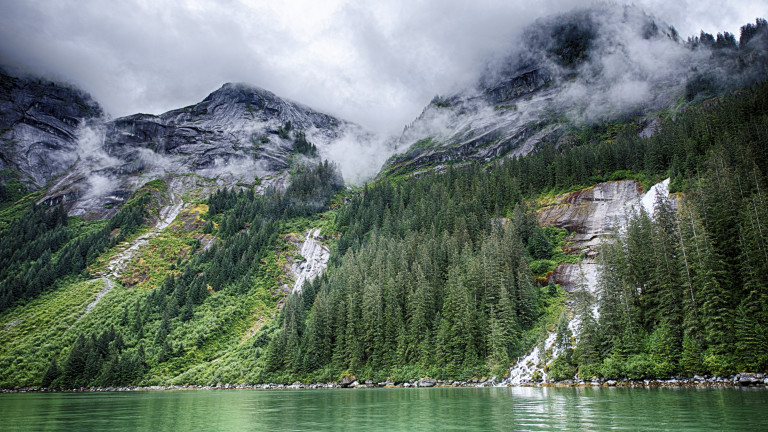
pixel 445 409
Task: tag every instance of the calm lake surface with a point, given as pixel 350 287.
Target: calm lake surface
pixel 445 409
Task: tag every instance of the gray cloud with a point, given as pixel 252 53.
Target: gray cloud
pixel 375 63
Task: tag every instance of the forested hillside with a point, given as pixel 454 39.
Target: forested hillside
pixel 683 291
pixel 437 268
pixel 440 274
pixel 429 275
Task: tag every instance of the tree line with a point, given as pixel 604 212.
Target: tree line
pixel 431 274
pixel 684 290
pixel 425 276
pixel 39 248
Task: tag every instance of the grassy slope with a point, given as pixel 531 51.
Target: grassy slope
pixel 221 344
pixel 46 326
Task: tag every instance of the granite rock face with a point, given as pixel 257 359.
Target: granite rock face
pixel 39 123
pixel 236 122
pixel 592 215
pixel 315 256
pixel 57 137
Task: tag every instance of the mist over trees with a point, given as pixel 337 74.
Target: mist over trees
pixel 442 272
pixel 427 277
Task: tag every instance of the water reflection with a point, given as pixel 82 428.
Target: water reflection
pixel 443 409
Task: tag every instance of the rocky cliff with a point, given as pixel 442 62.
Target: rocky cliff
pixel 314 259
pixel 59 138
pixel 237 122
pixel 39 127
pixel 591 215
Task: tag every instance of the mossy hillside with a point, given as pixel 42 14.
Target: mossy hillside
pixel 47 327
pixel 11 211
pixel 165 252
pixel 217 332
pixel 43 328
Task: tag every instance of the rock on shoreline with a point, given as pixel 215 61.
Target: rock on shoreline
pixel 738 380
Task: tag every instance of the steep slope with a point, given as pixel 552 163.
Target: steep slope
pixel 581 68
pixel 592 216
pixel 39 124
pixel 237 135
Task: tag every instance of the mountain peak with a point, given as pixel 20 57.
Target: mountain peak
pixel 240 90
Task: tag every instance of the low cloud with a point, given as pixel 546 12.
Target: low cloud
pixel 99 186
pixel 95 163
pixel 358 155
pixel 634 63
pixel 90 148
pixel 371 62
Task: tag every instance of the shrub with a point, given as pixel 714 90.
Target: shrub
pixel 718 364
pixel 613 368
pixel 588 371
pixel 639 366
pixel 561 369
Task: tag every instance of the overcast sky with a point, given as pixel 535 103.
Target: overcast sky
pixel 377 63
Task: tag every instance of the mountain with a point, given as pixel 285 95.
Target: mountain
pixel 210 244
pixel 570 72
pixel 239 134
pixel 39 123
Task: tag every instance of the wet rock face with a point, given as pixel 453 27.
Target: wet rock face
pixel 57 137
pixel 591 213
pixel 39 121
pixel 315 259
pixel 519 84
pixel 235 123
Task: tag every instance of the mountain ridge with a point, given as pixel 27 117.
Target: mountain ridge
pixel 196 226
pixel 587 66
pixel 237 134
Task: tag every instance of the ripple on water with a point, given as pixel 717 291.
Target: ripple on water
pixel 443 409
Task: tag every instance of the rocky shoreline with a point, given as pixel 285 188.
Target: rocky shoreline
pixel 738 380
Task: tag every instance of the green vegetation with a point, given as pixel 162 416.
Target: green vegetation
pixel 37 331
pixel 440 102
pixel 303 146
pixel 189 315
pixel 438 274
pixel 11 189
pixel 12 211
pixel 684 290
pixel 401 297
pixel 547 249
pixel 40 247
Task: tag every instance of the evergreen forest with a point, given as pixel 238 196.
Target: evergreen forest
pixel 443 273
